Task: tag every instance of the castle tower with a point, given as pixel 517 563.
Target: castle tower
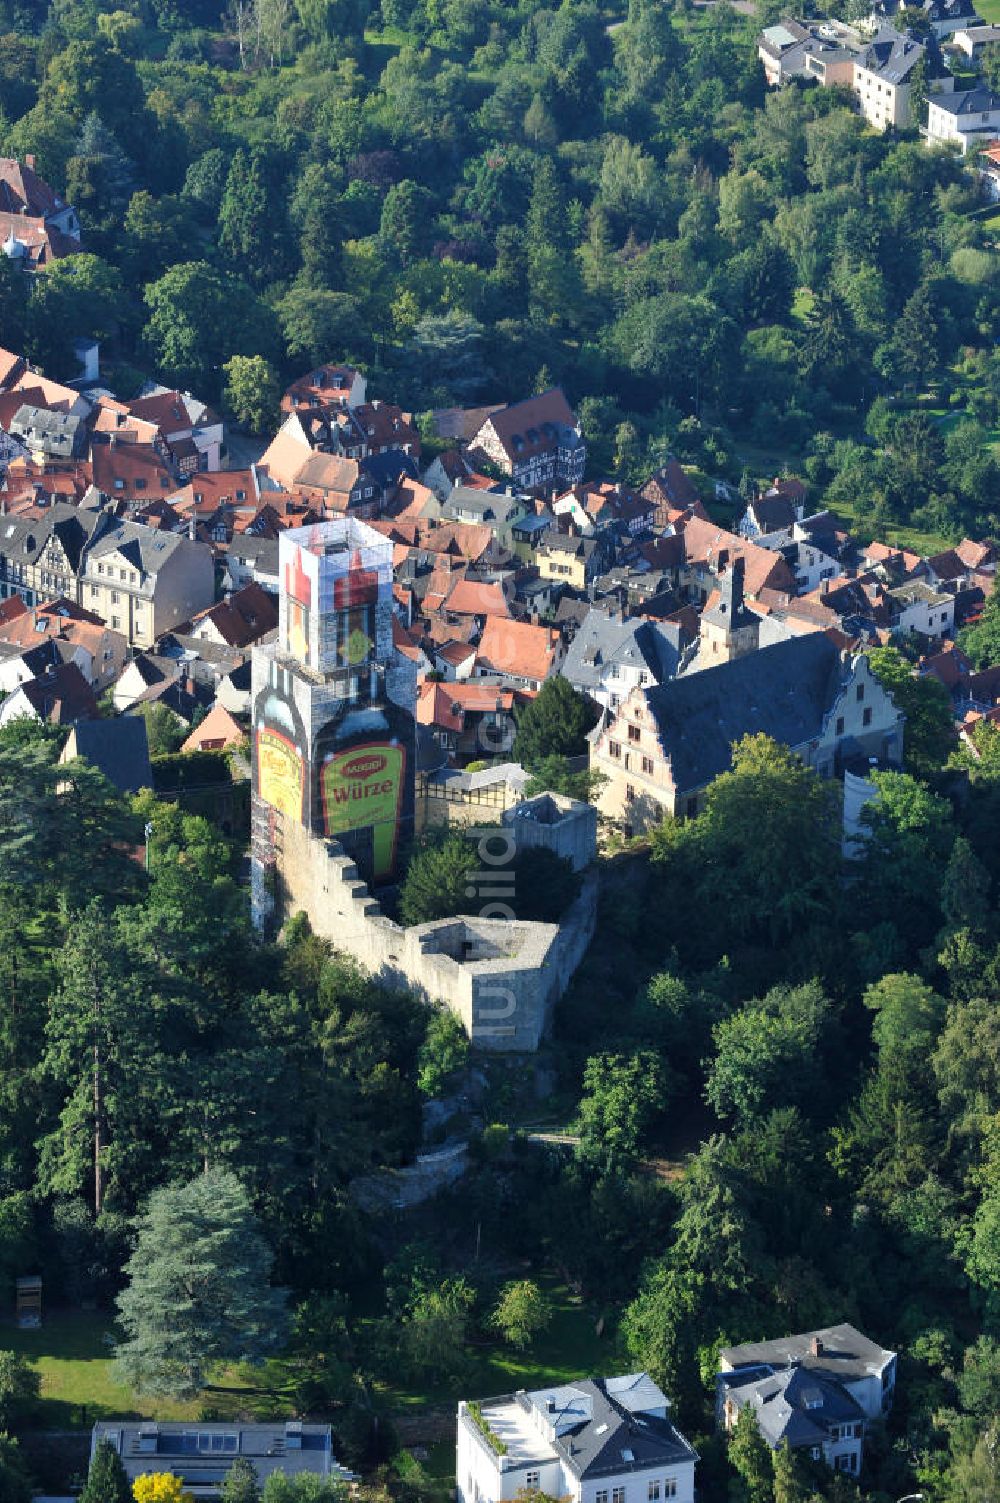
pixel 333 713
pixel 729 630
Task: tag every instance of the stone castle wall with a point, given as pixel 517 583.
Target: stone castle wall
pixel 501 978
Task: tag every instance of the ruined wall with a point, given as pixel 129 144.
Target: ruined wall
pixel 500 978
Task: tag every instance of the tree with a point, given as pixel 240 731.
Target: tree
pixel 929 733
pixel 444 355
pixel 107 1481
pixel 20 1388
pixel 770 1054
pixel 444 1051
pixel 552 775
pixel 982 641
pixel 405 224
pixel 749 1454
pixel 252 224
pixel 159 1487
pixel 439 881
pixel 434 1331
pixel 623 1095
pixel 784 887
pixel 100 1045
pixel 198 1289
pixel 553 724
pixel 521 1314
pixel 198 318
pixel 165 731
pixel 252 393
pixel 789 1485
pixel 15 1485
pixel 240 1483
pixel 318 325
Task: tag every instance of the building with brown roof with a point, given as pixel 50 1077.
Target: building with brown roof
pixel 538 442
pixel 326 386
pixel 217 731
pixel 524 654
pixel 60 696
pixel 243 617
pixel 468 720
pixel 36 225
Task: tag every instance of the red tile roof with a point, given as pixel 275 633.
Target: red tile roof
pixel 518 648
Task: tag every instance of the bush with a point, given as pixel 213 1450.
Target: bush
pixel 444 1050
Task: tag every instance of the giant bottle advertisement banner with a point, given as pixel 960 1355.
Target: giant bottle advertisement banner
pixel 363 786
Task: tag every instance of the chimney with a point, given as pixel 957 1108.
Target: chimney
pixel 816 1346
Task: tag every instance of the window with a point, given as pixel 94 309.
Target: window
pixel 634 733
pixel 119 485
pixel 860 693
pixel 867 716
pixel 629 799
pixel 614 749
pixel 617 1495
pixel 840 725
pixel 601 1497
pixel 94 592
pixel 115 597
pixel 653 1491
pixel 532 1479
pixel 647 766
pixel 670 1487
pixel 116 622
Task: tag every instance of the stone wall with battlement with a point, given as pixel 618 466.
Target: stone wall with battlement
pixel 500 978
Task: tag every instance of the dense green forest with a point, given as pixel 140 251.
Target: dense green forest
pixel 780 1068
pixel 475 199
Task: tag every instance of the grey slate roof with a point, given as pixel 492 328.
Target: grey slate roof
pixel 978 101
pixel 795 1406
pixel 58 433
pixel 146 548
pixel 785 691
pixel 844 1354
pixel 180 1447
pixel 118 748
pixel 603 640
pixel 893 55
pixel 601 1431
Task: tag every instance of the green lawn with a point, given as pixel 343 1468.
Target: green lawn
pixel 71 1351
pixel 989 10
pixel 569 1349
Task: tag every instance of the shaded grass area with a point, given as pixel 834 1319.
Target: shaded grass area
pixel 569 1348
pixel 72 1352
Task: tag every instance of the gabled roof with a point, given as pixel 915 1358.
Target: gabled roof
pixel 118 748
pixel 518 649
pixel 604 641
pixel 795 1407
pixel 472 598
pixel 23 191
pixel 892 57
pixel 218 727
pixel 785 691
pixel 61 696
pixel 533 426
pixel 248 615
pixel 977 101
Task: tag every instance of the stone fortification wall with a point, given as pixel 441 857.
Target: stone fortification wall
pixel 500 978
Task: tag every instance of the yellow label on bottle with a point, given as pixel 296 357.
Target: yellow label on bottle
pixel 279 773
